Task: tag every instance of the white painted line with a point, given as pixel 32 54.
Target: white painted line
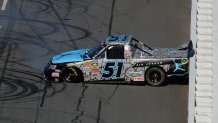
pixel 4 4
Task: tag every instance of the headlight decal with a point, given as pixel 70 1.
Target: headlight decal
pixel 53 67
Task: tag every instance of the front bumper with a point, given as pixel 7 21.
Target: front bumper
pixel 51 74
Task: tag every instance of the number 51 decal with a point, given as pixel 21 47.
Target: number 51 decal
pixel 112 70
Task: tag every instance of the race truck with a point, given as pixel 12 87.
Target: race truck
pixel 123 58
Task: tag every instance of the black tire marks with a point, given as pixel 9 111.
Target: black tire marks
pixel 99 112
pixel 10 27
pixel 74 46
pixel 24 86
pixel 13 120
pixel 36 38
pixel 111 18
pixel 81 112
pixel 5 64
pixel 76 119
pixel 16 89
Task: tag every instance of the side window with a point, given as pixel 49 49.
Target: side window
pixel 115 52
pixel 101 55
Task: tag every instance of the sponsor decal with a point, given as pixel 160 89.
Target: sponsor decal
pixel 178 67
pixel 87 64
pixel 94 64
pixel 135 74
pixel 139 78
pixel 184 60
pixel 86 68
pixel 55 74
pixel 94 71
pixel 146 64
pixel 95 68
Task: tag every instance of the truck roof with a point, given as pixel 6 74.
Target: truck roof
pixel 118 39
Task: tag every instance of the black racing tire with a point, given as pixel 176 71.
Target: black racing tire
pixel 72 75
pixel 155 76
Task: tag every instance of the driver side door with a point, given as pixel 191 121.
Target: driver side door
pixel 112 66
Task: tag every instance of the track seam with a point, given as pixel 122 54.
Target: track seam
pixel 84 86
pixel 111 18
pixel 38 105
pixel 99 111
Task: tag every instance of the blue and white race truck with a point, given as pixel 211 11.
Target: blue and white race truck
pixel 120 57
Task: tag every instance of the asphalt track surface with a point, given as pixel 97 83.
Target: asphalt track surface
pixel 32 31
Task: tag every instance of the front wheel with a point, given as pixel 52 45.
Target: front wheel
pixel 71 75
pixel 155 76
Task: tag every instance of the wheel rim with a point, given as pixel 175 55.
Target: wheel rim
pixel 155 77
pixel 70 76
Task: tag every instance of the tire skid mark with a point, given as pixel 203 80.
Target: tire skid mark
pixel 19 88
pixel 10 27
pixel 55 25
pixel 63 25
pixel 22 61
pixel 51 25
pixel 14 120
pixel 68 8
pixel 44 7
pixel 111 18
pixel 102 104
pixel 34 31
pixel 9 90
pixel 5 64
pixel 112 94
pixel 5 17
pixel 31 99
pixel 21 79
pixel 115 90
pixel 27 89
pixel 99 112
pixel 75 120
pixel 2 47
pixel 70 5
pixel 3 75
pixel 141 4
pixel 37 108
pixel 47 85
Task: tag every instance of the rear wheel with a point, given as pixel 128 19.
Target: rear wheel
pixel 155 76
pixel 72 75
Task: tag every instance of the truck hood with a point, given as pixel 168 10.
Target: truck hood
pixel 71 56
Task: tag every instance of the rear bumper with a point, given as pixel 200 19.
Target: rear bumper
pixel 186 74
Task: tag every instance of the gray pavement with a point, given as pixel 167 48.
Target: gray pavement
pixel 32 31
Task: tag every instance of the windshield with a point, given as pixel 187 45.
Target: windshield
pixel 95 50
